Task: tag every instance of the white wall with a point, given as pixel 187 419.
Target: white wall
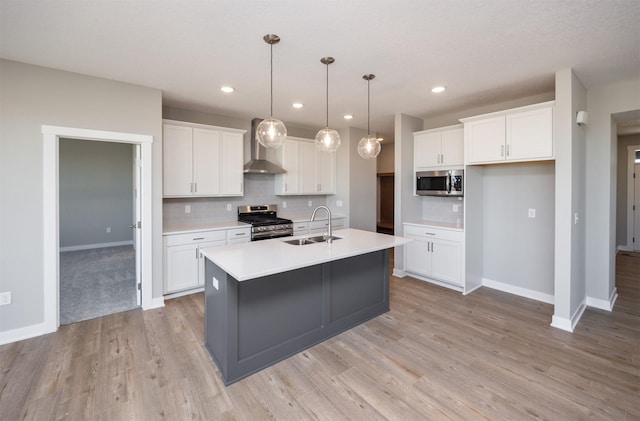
pixel 33 96
pixel 96 191
pixel 603 103
pixel 362 184
pixel 386 159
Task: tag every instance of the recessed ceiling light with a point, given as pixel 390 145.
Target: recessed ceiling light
pixel 438 89
pixel 298 105
pixel 348 116
pixel 226 89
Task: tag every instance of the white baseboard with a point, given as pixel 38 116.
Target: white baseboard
pixel 183 293
pixel 96 246
pixel 469 291
pixel 436 282
pixel 523 292
pixel 22 333
pixel 624 248
pixel 569 324
pixel 604 304
pixel 156 302
pixel 399 273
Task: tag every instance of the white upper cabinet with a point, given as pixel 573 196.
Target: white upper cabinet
pixel 309 171
pixel 521 134
pixel 200 160
pixel 439 147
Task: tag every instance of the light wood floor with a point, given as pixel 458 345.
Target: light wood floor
pixel 435 355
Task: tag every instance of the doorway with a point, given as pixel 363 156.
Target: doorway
pixel 385 203
pixel 51 242
pixel 97 201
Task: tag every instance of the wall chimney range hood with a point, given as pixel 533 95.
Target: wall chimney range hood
pixel 258 163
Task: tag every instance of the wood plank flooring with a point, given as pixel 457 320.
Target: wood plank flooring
pixel 436 355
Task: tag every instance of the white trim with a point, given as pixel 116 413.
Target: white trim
pixel 15 335
pixel 623 248
pixel 156 302
pixel 399 273
pixel 569 324
pixel 183 293
pixel 470 290
pixel 604 304
pixel 523 292
pixel 96 246
pixel 435 282
pixel 51 264
pixel 631 160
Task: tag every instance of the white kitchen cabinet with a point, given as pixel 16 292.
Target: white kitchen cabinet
pixel 200 160
pixel 521 134
pixel 318 227
pixel 435 253
pixel 309 171
pixel 183 262
pixel 439 147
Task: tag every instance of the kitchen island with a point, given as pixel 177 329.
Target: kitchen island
pixel 267 300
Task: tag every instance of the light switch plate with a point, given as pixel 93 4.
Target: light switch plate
pixel 187 208
pixel 215 283
pixel 532 213
pixel 5 298
pixel 228 207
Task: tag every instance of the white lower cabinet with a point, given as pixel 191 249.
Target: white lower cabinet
pixel 318 227
pixel 434 253
pixel 183 262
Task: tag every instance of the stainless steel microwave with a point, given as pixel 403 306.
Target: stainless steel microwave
pixel 440 183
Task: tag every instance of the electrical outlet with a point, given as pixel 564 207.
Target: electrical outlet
pixel 215 283
pixel 284 204
pixel 187 208
pixel 456 208
pixel 5 298
pixel 310 203
pixel 108 230
pixel 228 207
pixel 576 218
pixel 532 213
pixel 339 203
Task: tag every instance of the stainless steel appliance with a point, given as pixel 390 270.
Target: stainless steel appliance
pixel 440 183
pixel 264 222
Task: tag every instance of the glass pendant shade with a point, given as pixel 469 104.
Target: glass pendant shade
pixel 328 140
pixel 271 133
pixel 369 147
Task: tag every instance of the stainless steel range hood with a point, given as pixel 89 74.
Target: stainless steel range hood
pixel 259 163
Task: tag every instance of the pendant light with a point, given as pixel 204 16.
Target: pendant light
pixel 271 132
pixel 369 146
pixel 327 140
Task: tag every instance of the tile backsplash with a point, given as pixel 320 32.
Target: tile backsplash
pixel 440 209
pixel 258 190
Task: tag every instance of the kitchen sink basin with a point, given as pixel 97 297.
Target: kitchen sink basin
pixel 310 240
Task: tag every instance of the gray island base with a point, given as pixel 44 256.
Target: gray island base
pixel 255 323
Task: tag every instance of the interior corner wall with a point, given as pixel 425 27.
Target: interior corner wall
pixel 33 96
pixel 362 182
pixel 602 103
pixel 569 144
pixel 408 206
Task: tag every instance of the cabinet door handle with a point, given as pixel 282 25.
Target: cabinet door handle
pixel 241 233
pixel 195 187
pixel 508 150
pixel 502 150
pixel 430 233
pixel 319 188
pixel 241 186
pixel 199 238
pixel 196 254
pixel 432 247
pixel 285 187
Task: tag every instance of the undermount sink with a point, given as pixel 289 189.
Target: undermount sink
pixel 310 240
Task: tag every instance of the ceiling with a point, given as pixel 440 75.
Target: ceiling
pixel 484 51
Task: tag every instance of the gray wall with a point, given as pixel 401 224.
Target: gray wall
pixel 96 191
pixel 33 96
pixel 519 250
pixel 362 183
pixel 603 104
pixel 386 158
pixel 622 185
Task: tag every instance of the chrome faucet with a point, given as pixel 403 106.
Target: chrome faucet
pixel 313 217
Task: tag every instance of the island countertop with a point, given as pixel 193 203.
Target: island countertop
pixel 267 257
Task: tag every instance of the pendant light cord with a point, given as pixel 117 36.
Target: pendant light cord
pixel 271 80
pixel 327 94
pixel 368 107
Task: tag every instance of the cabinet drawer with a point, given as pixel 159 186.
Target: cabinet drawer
pixel 432 232
pixel 194 237
pixel 238 234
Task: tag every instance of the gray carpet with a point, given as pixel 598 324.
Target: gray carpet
pixel 96 283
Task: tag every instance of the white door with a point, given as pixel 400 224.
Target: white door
pixel 485 140
pixel 636 208
pixel 446 259
pixel 206 160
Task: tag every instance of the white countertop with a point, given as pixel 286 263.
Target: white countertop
pixel 209 226
pixel 261 258
pixel 436 224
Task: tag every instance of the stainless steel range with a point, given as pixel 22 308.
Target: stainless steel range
pixel 264 222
